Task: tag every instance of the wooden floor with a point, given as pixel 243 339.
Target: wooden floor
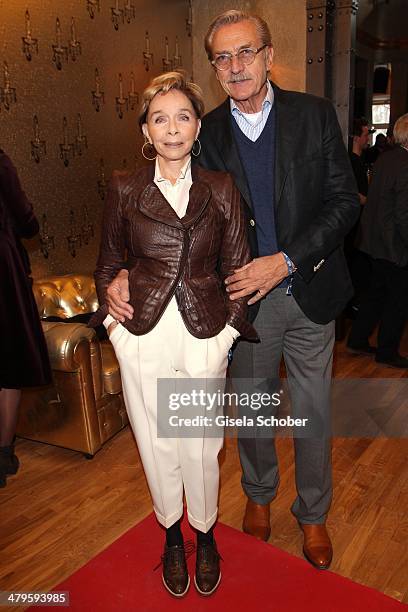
pixel 61 509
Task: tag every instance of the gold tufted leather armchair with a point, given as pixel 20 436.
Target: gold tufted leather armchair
pixel 84 407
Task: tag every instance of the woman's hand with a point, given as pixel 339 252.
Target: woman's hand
pixel 117 297
pixel 111 327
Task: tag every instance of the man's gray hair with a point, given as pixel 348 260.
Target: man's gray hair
pixel 401 131
pixel 229 17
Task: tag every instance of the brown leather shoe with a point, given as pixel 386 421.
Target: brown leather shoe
pixel 317 546
pixel 175 575
pixel 208 574
pixel 257 520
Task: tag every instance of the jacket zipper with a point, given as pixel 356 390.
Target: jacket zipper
pixel 177 284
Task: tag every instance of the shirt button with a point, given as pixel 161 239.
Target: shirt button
pixel 252 222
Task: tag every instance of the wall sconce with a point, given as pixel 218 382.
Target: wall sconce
pixel 121 101
pixel 147 55
pixel 93 6
pixel 129 11
pixel 46 241
pixel 73 238
pixel 98 96
pixel 67 149
pixel 87 230
pixel 30 44
pixel 117 14
pixel 37 145
pixel 7 93
pixel 81 141
pixel 177 57
pixel 189 20
pixel 74 44
pixel 125 165
pixel 167 63
pixel 102 184
pixel 60 52
pixel 133 95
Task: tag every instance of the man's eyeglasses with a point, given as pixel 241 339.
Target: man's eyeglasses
pixel 245 56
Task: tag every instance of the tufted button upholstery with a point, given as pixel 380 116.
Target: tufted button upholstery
pixel 65 296
pixel 85 406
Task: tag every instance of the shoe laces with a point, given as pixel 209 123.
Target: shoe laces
pixel 207 554
pixel 174 552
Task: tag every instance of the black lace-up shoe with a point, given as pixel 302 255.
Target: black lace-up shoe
pixel 175 575
pixel 208 574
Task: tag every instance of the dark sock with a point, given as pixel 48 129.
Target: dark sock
pixel 174 537
pixel 205 538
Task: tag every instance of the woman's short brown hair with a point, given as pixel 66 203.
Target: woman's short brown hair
pixel 165 83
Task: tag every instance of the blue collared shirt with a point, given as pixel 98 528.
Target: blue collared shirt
pixel 252 124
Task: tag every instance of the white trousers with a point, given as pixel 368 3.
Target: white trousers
pixel 170 351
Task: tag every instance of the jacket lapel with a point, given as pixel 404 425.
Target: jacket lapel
pixel 200 193
pixel 285 144
pixel 224 139
pixel 154 205
pixel 285 139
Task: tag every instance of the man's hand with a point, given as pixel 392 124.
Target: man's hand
pixel 117 297
pixel 260 276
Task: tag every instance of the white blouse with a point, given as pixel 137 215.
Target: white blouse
pixel 177 195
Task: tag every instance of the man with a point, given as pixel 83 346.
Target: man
pixel 360 142
pixel 359 264
pixel 384 236
pixel 288 160
pixel 374 152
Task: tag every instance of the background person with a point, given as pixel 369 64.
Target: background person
pixel 360 144
pixel 359 263
pixel 375 151
pixel 384 237
pixel 23 350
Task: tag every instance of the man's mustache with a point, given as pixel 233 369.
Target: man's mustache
pixel 238 78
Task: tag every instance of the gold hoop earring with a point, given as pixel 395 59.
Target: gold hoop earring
pixel 199 148
pixel 152 148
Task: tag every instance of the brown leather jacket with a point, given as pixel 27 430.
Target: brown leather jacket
pixel 166 255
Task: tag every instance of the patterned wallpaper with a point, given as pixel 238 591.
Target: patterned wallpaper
pixel 54 115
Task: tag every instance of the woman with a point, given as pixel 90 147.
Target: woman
pixel 184 232
pixel 23 354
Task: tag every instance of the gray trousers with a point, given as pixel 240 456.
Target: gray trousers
pixel 307 349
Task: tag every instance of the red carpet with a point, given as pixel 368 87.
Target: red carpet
pixel 256 576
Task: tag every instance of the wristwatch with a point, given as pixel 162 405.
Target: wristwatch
pixel 291 266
